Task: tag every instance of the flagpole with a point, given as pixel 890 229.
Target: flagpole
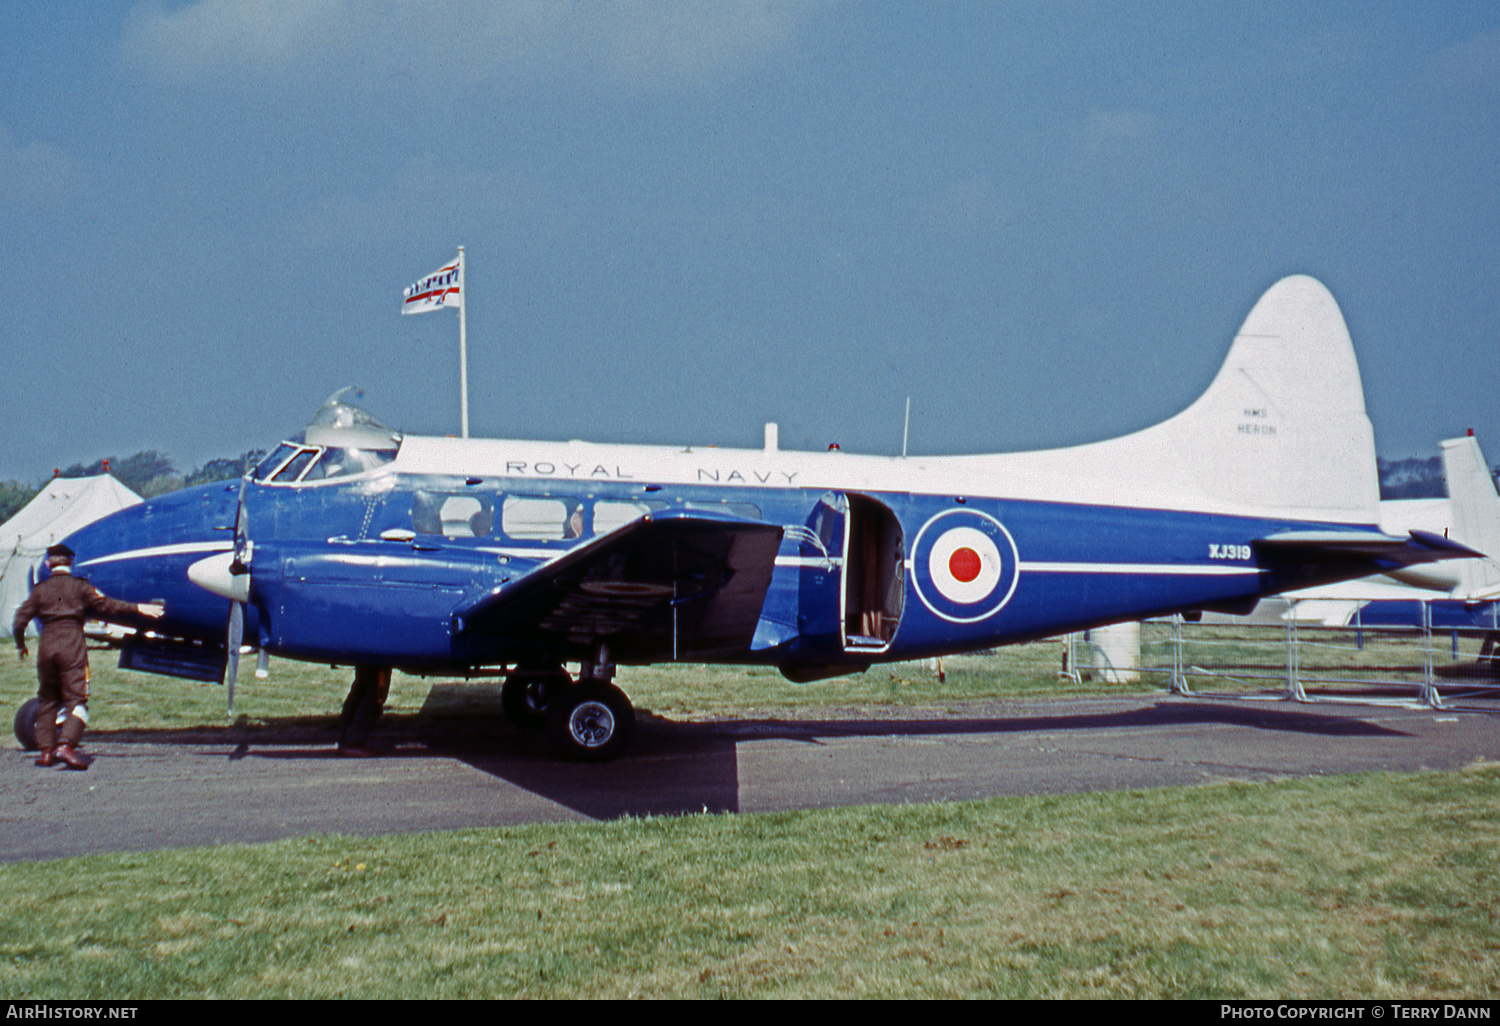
pixel 463 346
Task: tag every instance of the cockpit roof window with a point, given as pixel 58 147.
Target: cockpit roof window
pixel 340 424
pixel 341 441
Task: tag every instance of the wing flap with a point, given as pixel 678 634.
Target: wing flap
pixel 685 584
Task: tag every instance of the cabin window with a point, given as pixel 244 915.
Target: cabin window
pixel 748 510
pixel 612 514
pixel 452 516
pixel 541 518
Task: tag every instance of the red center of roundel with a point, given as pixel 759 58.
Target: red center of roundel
pixel 964 565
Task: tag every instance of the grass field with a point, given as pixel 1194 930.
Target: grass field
pixel 1372 886
pixel 124 700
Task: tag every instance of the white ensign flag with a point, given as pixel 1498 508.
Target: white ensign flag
pixel 438 291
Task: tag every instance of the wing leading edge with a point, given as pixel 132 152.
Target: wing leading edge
pixel 682 584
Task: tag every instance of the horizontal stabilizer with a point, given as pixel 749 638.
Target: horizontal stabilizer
pixel 1443 548
pixel 1300 559
pixel 1418 547
pixel 672 585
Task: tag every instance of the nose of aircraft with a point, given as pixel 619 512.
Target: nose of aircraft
pixel 144 554
pixel 214 574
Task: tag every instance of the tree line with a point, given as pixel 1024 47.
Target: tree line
pixel 1417 477
pixel 148 473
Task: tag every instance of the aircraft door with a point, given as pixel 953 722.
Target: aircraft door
pixel 874 575
pixel 821 550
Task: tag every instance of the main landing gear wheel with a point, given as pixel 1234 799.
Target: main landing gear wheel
pixel 591 722
pixel 26 723
pixel 527 693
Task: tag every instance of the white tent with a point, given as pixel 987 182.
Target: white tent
pixel 65 505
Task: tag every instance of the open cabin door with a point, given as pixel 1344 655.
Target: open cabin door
pixel 874 565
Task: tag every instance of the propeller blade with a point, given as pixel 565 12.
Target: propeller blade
pixel 241 530
pixel 234 637
pixel 234 631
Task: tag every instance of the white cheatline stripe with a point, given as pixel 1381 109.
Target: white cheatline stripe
pixel 1160 569
pixel 181 548
pixel 545 555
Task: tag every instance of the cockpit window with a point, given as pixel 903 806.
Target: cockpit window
pixel 273 462
pixel 347 462
pixel 292 463
pixel 294 469
pixel 342 440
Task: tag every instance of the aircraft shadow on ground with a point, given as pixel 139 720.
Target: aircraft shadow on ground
pixel 678 767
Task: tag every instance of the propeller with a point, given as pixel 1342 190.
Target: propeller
pixel 239 570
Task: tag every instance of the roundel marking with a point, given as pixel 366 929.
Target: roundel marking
pixel 964 565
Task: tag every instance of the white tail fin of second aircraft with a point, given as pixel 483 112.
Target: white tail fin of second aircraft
pixel 1474 506
pixel 1281 431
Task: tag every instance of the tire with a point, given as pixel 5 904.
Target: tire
pixel 25 725
pixel 526 694
pixel 591 723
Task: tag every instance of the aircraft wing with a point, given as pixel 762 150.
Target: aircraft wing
pixel 682 584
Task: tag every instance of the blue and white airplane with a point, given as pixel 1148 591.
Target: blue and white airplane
pixel 353 545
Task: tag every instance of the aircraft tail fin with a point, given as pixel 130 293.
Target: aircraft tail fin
pixel 1281 430
pixel 1283 424
pixel 1475 509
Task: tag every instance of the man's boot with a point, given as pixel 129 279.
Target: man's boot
pixel 65 754
pixel 47 758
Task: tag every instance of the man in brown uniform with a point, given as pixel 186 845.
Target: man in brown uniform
pixel 62 602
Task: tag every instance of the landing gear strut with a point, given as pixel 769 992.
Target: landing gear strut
pixel 590 721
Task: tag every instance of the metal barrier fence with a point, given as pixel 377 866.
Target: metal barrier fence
pixel 1305 662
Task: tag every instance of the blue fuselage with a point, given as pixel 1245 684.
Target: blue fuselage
pixel 374 569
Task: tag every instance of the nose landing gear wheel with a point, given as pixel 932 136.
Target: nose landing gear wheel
pixel 25 725
pixel 591 722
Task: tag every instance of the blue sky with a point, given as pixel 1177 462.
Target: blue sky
pixel 1041 221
